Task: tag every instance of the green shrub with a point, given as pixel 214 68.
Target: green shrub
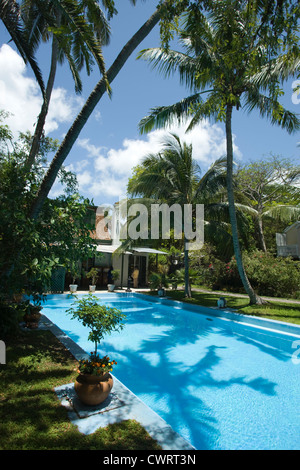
pixel 268 275
pixel 207 269
pixel 10 316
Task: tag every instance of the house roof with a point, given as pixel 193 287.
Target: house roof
pixel 113 248
pixel 149 250
pixel 110 249
pixel 292 226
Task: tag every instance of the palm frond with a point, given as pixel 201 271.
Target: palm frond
pixel 214 180
pixel 212 109
pixel 11 17
pixel 279 69
pixel 79 27
pixel 272 109
pixel 171 62
pixel 163 116
pixel 283 213
pixel 219 233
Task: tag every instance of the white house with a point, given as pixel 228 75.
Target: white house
pixel 107 237
pixel 288 242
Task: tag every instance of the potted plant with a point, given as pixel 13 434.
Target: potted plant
pixel 75 275
pixel 32 310
pixel 93 275
pixel 115 276
pixel 94 381
pixel 221 302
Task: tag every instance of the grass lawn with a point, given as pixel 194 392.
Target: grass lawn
pixel 31 416
pixel 287 312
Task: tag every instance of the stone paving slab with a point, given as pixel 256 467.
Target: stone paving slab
pixel 67 394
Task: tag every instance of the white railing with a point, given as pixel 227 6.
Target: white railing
pixel 288 250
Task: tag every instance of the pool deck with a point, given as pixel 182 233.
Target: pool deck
pixel 122 406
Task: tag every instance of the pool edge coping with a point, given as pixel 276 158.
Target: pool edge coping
pixel 232 314
pixel 277 326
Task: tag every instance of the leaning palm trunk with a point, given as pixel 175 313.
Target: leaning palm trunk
pixel 99 90
pixel 254 298
pixel 45 107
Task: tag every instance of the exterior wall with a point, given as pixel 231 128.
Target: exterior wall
pixel 117 264
pixel 104 259
pixel 292 236
pixel 288 242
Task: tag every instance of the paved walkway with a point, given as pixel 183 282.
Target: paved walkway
pixel 205 291
pixel 232 294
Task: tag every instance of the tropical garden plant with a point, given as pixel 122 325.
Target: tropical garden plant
pixel 160 279
pixel 93 275
pixel 96 365
pixel 224 51
pixel 115 274
pixel 268 190
pixel 29 252
pixel 172 176
pixel 272 276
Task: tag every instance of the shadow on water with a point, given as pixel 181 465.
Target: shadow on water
pixel 175 385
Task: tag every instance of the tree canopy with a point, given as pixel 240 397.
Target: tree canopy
pixel 31 250
pixel 225 48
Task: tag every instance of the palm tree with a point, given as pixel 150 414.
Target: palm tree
pixel 171 175
pixel 88 108
pixel 10 14
pixel 78 31
pixel 222 52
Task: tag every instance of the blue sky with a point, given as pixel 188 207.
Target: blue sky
pixel 110 144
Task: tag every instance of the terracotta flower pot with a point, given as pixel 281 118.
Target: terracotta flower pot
pixel 32 318
pixel 93 389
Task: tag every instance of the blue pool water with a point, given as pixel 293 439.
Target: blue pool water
pixel 219 382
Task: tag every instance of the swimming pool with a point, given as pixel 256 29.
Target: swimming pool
pixel 222 382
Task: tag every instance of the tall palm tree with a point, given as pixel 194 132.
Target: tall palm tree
pixel 10 15
pixel 222 51
pixel 172 176
pixel 89 106
pixel 78 31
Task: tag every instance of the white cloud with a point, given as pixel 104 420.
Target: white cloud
pixel 111 168
pixel 20 95
pixel 84 179
pixel 103 172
